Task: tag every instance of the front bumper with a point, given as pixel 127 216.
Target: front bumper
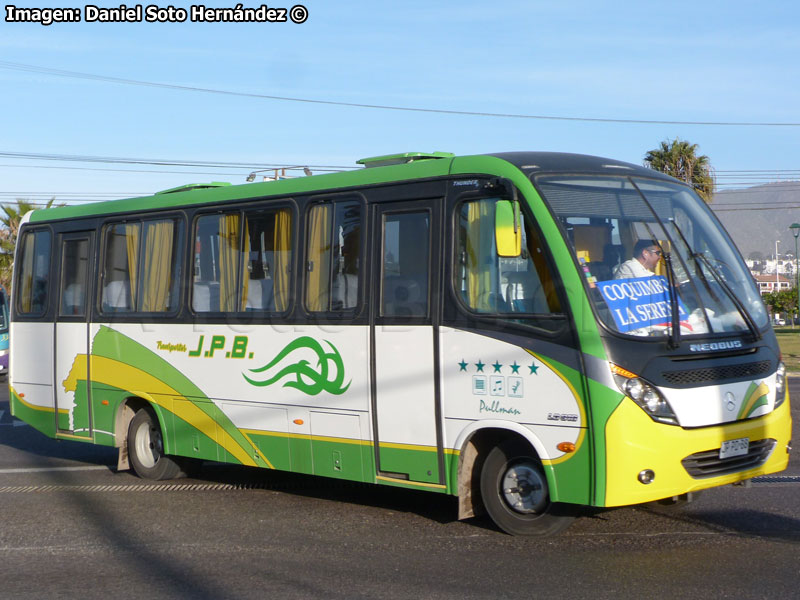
pixel 634 443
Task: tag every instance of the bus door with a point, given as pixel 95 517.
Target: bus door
pixel 73 414
pixel 404 340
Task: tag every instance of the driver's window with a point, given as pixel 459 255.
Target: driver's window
pixel 491 284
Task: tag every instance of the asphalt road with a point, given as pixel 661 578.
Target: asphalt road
pixel 70 527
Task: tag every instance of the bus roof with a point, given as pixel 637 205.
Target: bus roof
pixel 564 162
pixel 381 169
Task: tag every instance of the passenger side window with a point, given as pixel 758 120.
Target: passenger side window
pixel 34 273
pixel 216 263
pixel 243 262
pixel 141 267
pixel 334 250
pixel 119 268
pixel 268 248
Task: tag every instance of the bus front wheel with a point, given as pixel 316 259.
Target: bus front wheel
pixel 516 495
pixel 146 448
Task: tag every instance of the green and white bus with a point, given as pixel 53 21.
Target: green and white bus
pixel 455 324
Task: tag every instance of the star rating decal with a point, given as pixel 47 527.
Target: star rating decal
pixel 463 366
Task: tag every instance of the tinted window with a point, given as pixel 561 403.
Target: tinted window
pixel 496 285
pixel 334 246
pixel 404 285
pixel 216 263
pixel 74 269
pixel 268 252
pixel 141 267
pixel 243 262
pixel 34 272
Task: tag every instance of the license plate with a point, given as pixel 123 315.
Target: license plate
pixel 731 448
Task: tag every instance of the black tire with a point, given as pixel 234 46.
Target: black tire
pixel 146 449
pixel 516 495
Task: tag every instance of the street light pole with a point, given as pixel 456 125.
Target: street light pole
pixel 777 287
pixel 795 228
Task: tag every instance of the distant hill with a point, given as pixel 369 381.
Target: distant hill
pixel 755 229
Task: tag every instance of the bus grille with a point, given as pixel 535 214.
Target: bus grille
pixel 709 464
pixel 721 373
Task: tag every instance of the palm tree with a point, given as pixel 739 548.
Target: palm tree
pixel 10 219
pixel 679 158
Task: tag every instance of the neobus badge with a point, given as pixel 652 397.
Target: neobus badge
pixel 729 345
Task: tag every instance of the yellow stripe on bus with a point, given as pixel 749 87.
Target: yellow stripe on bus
pixel 584 424
pixel 22 401
pixel 132 379
pixel 437 486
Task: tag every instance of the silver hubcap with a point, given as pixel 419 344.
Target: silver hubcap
pixel 524 489
pixel 148 445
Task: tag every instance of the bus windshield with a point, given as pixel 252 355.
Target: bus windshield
pixel 623 228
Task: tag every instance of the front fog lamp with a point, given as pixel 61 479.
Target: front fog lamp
pixel 646 395
pixel 646 477
pixel 780 384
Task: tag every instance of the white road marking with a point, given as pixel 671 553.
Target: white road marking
pixel 55 469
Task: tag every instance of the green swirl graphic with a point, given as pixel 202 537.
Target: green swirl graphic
pixel 303 372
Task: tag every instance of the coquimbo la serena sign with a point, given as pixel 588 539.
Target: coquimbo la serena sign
pixel 428 321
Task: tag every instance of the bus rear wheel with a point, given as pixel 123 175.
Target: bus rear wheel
pixel 516 495
pixel 146 448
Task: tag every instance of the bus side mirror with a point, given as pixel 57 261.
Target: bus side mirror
pixel 508 229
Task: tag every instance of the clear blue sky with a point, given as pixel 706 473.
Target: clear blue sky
pixel 678 61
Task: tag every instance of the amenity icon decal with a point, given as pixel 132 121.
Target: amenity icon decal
pixel 489 379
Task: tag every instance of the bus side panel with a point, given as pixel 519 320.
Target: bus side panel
pixel 492 384
pixel 119 362
pixel 31 378
pixel 205 390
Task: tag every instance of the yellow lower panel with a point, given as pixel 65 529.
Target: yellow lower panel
pixel 635 442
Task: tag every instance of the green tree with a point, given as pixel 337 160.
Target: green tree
pixel 679 159
pixel 10 219
pixel 783 302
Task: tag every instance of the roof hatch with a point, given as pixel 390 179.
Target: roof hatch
pixel 402 158
pixel 194 186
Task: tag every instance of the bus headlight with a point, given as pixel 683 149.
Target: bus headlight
pixel 780 384
pixel 645 394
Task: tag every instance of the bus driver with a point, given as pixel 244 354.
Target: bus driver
pixel 646 254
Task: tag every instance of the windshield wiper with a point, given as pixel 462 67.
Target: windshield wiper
pixel 698 258
pixel 698 270
pixel 675 333
pixel 675 327
pixel 748 319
